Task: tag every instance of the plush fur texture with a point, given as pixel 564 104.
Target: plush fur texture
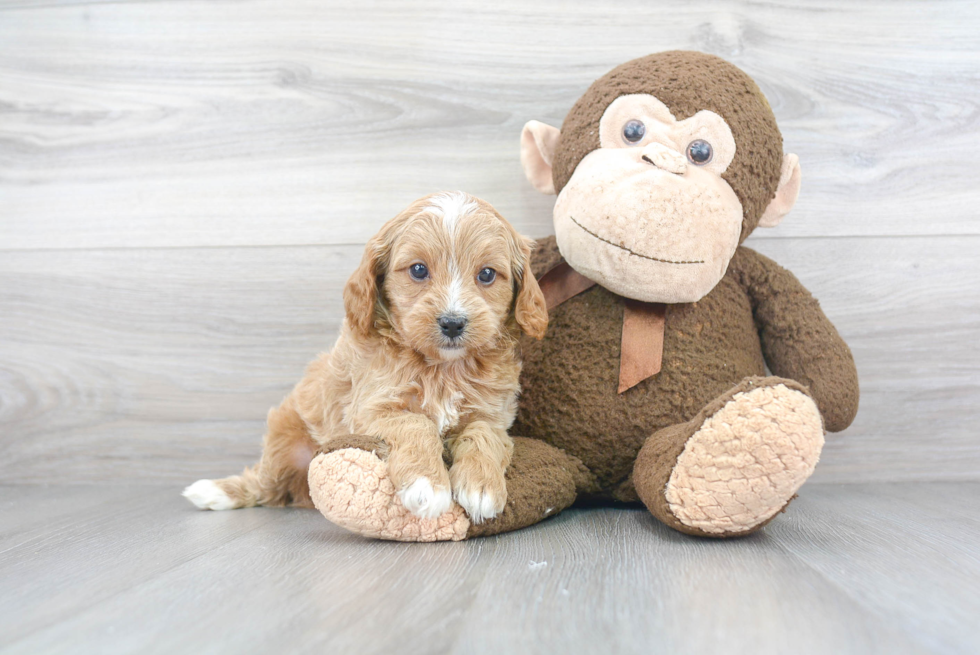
pixel 682 440
pixel 570 378
pixel 687 82
pixel 589 442
pixel 351 486
pixel 395 373
pixel 732 467
pixel 715 486
pixel 639 218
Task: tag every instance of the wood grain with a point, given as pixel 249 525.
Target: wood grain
pixel 184 188
pixel 848 569
pixel 125 365
pixel 851 538
pixel 149 124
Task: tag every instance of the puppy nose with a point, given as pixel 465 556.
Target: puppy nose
pixel 665 158
pixel 452 326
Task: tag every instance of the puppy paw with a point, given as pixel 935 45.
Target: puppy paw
pixel 205 494
pixel 422 481
pixel 352 488
pixel 481 506
pixel 479 490
pixel 421 499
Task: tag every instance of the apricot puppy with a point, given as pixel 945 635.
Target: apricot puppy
pixel 427 358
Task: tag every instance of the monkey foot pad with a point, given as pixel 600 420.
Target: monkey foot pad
pixel 352 489
pixel 746 461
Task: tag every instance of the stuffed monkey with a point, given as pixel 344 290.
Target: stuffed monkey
pixel 651 384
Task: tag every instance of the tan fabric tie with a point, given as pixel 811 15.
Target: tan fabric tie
pixel 642 345
pixel 642 348
pixel 561 282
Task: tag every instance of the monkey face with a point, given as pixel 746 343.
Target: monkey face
pixel 652 207
pixel 647 215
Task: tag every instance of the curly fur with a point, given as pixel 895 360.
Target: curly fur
pixel 394 375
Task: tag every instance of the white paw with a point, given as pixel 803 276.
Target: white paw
pixel 207 495
pixel 422 500
pixel 479 506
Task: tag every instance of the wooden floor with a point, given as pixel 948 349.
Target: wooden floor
pixel 873 568
pixel 185 187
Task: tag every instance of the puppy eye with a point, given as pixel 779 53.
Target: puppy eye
pixel 487 276
pixel 633 131
pixel 418 271
pixel 699 152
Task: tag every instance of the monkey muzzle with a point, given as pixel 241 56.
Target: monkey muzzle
pixel 665 158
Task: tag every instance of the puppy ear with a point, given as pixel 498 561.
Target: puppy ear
pixel 363 286
pixel 530 308
pixel 361 293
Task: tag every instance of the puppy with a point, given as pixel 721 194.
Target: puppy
pixel 427 357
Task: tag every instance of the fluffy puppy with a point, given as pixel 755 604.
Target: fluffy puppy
pixel 427 357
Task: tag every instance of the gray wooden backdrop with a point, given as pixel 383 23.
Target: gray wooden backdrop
pixel 185 185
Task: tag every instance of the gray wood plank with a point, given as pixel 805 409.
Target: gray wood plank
pixel 301 122
pixel 57 569
pixel 906 553
pixel 618 582
pixel 161 364
pixel 183 191
pixel 29 510
pixel 588 580
pixel 910 311
pixel 113 362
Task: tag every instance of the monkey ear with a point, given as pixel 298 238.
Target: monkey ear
pixel 786 193
pixel 538 145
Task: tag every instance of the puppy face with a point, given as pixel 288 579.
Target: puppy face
pixel 453 274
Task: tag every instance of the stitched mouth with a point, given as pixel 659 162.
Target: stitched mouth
pixel 637 254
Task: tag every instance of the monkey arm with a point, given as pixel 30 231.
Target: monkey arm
pixel 798 341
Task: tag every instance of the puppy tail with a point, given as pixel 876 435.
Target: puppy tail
pixel 250 489
pixel 280 477
pixel 233 492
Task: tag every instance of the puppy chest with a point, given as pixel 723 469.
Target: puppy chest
pixel 452 404
pixel 444 410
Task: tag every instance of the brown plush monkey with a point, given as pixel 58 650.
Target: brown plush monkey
pixel 650 384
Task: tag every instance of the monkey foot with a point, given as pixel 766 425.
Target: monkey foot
pixel 737 464
pixel 351 487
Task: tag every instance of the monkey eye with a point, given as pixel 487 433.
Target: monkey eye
pixel 418 271
pixel 633 131
pixel 487 276
pixel 699 152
